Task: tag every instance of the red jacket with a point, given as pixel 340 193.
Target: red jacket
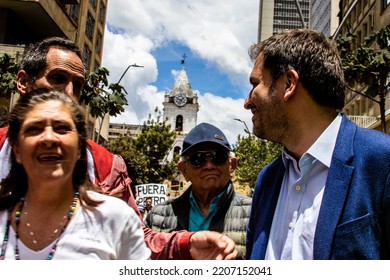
pixel 112 178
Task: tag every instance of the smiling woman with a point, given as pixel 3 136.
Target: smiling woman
pixel 49 209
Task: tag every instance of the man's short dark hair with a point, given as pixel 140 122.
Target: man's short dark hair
pixel 35 56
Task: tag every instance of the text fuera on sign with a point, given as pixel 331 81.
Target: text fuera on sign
pixel 158 193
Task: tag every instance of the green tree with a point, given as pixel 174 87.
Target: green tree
pixel 253 154
pixel 145 156
pixel 103 98
pixel 367 66
pixel 8 71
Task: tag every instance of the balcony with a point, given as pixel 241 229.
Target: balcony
pixel 363 121
pixel 31 20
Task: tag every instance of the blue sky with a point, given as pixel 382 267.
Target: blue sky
pixel 214 35
pixel 204 76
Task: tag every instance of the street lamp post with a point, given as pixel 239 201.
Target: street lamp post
pixel 247 129
pixel 124 72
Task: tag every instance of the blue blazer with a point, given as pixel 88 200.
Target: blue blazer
pixel 354 219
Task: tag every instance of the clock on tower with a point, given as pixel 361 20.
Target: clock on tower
pixel 180 100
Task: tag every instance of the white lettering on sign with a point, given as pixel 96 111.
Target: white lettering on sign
pixel 158 193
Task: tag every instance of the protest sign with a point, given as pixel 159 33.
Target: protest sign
pixel 158 193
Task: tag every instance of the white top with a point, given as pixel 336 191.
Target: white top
pixel 111 232
pixel 5 159
pixel 299 203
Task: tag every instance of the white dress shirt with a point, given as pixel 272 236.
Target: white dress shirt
pixel 299 203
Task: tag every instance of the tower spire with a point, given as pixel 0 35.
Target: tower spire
pixel 183 60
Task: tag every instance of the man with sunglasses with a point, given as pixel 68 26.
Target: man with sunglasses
pixel 210 203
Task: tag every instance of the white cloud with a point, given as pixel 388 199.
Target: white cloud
pixel 218 31
pixel 221 112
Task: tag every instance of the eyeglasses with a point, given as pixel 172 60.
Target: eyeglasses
pixel 198 159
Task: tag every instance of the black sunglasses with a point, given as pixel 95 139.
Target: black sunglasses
pixel 197 159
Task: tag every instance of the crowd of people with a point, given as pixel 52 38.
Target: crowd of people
pixel 327 196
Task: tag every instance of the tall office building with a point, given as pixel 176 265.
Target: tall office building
pixel 26 21
pixel 324 16
pixel 365 17
pixel 278 15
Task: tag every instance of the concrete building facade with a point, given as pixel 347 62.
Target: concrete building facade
pixel 278 15
pixel 365 17
pixel 83 21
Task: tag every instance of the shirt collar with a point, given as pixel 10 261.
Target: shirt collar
pixel 214 202
pixel 323 147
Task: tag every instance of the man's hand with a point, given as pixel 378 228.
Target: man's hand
pixel 211 245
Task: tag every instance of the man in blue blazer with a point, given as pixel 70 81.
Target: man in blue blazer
pixel 327 196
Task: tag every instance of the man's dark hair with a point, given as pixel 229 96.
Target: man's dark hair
pixel 35 56
pixel 313 56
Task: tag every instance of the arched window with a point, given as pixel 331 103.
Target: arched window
pixel 179 123
pixel 176 150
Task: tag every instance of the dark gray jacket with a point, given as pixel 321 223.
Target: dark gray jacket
pixel 231 218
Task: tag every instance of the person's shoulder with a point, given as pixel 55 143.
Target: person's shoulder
pixel 372 142
pixel 164 208
pixel 3 135
pixel 243 199
pixel 109 202
pixel 102 159
pixel 98 149
pixel 374 138
pixel 162 205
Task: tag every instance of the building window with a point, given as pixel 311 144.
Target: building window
pixel 102 13
pixel 99 42
pixel 176 150
pixel 74 13
pixel 96 65
pixel 93 4
pixel 385 4
pixel 87 56
pixel 179 123
pixel 89 26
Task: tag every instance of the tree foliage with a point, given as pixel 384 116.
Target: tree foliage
pixel 253 154
pixel 8 71
pixel 146 155
pixel 367 65
pixel 101 97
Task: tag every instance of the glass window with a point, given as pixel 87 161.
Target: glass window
pixel 93 3
pixel 87 56
pixel 179 123
pixel 102 13
pixel 89 26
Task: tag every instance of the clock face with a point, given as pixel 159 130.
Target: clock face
pixel 180 100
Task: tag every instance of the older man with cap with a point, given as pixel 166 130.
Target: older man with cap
pixel 210 203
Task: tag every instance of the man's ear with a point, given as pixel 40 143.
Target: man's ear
pixel 233 165
pixel 182 167
pixel 23 82
pixel 291 79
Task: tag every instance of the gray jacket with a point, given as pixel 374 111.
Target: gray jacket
pixel 231 218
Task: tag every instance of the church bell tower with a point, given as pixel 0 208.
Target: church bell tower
pixel 181 109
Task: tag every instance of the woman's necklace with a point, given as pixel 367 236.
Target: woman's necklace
pixel 35 237
pixel 17 221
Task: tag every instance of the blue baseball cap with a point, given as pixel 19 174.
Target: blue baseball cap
pixel 203 133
